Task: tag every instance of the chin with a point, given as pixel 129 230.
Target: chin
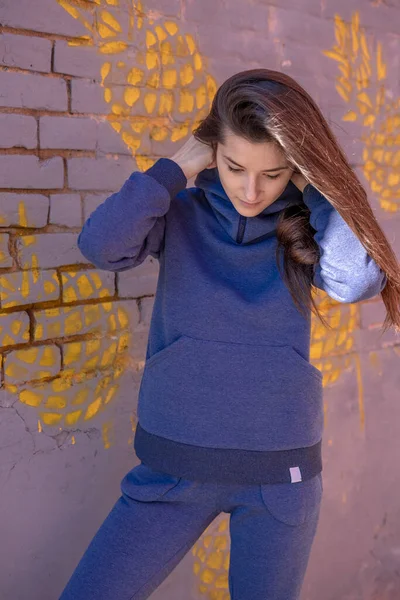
pixel 250 211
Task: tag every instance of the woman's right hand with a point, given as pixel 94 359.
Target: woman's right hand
pixel 193 157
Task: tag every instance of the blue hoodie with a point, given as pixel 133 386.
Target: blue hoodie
pixel 228 392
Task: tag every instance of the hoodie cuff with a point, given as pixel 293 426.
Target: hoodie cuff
pixel 169 174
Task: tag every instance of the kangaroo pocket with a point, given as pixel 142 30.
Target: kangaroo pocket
pixel 231 395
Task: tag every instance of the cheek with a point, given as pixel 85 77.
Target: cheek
pixel 278 186
pixel 228 181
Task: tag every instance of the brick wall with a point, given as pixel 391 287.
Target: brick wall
pixel 89 91
pixel 55 168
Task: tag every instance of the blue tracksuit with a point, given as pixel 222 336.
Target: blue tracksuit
pixel 228 392
pixel 230 408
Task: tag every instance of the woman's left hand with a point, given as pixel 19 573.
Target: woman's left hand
pixel 299 181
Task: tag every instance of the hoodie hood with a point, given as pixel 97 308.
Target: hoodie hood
pixel 229 218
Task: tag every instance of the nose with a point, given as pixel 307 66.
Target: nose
pixel 251 190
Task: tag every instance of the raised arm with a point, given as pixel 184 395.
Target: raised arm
pixel 130 224
pixel 345 270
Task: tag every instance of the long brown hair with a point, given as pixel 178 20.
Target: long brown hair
pixel 269 106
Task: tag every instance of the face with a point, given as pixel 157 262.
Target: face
pixel 252 173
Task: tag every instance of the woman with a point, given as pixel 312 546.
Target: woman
pixel 230 409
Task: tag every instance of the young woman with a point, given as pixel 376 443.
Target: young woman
pixel 230 408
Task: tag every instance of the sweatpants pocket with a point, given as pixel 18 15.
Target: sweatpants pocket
pixel 293 503
pixel 145 484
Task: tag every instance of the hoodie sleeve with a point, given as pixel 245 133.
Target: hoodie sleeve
pixel 130 224
pixel 345 270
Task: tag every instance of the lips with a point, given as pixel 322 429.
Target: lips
pixel 250 203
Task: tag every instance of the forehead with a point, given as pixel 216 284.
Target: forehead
pixel 254 155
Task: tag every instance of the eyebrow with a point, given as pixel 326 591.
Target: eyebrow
pixel 265 170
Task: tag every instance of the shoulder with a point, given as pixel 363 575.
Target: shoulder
pixel 189 195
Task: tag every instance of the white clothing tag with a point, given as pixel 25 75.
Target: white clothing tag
pixel 295 474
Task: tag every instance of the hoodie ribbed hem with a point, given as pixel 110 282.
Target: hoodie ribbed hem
pixel 225 465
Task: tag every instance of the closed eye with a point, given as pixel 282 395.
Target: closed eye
pixel 240 170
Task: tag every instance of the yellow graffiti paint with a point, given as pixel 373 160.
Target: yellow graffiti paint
pixel 22 218
pixel 198 62
pixel 50 419
pixel 72 418
pixel 186 75
pixel 110 20
pixel 55 402
pixel 135 76
pixel 150 102
pixel 157 48
pixel 171 27
pixel 49 356
pixel 28 240
pixel 362 83
pixel 166 104
pixel 113 47
pixel 169 78
pixel 30 398
pixel 81 397
pixel 92 409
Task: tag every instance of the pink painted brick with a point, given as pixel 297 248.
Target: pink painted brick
pixel 146 311
pixel 100 174
pixel 14 328
pixel 49 250
pixel 27 90
pixel 65 209
pixel 242 45
pixel 25 52
pixel 5 258
pixel 222 68
pixel 308 31
pixel 71 133
pixel 242 17
pixel 18 131
pixel 31 364
pixel 298 59
pixel 36 289
pixel 300 6
pixel 372 314
pixel 108 140
pixel 91 202
pixel 81 61
pixel 23 210
pixel 47 17
pixel 372 338
pixel 88 284
pixel 322 90
pixel 168 8
pixel 88 97
pixel 141 281
pixel 31 173
pixel 165 148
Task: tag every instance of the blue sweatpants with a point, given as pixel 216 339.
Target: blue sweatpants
pixel 159 517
